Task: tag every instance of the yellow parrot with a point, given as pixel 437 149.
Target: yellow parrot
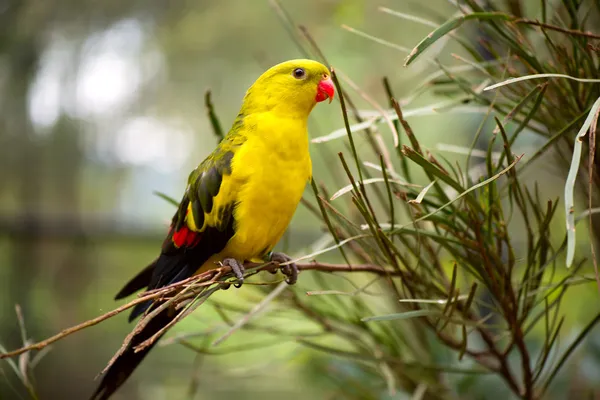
pixel 239 200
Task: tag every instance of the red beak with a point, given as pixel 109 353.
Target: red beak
pixel 325 90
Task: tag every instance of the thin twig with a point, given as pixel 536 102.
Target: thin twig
pixel 258 308
pixel 76 328
pixel 556 28
pixel 200 280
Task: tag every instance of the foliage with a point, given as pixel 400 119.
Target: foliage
pixel 475 295
pixel 471 304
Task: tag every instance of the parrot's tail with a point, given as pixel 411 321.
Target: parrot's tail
pixel 126 362
pixel 129 359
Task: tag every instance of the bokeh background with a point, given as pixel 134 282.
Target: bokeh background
pixel 101 104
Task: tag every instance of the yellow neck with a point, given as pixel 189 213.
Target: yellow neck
pixel 282 135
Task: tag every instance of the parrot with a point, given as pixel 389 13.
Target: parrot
pixel 238 201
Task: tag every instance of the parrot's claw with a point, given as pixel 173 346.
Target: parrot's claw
pixel 289 270
pixel 237 268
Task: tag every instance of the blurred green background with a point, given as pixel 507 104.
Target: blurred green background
pixel 102 103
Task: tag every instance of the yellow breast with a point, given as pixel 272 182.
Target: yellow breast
pixel 275 167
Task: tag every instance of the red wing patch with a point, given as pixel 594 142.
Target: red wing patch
pixel 186 237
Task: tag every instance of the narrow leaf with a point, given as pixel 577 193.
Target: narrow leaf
pixel 570 184
pixel 167 198
pixel 404 315
pixel 448 27
pixel 538 76
pixel 369 181
pixel 422 194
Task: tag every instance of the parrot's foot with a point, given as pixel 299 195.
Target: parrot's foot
pixel 289 270
pixel 237 268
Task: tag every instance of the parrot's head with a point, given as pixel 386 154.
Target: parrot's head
pixel 292 87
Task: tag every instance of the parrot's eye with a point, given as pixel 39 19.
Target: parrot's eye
pixel 299 73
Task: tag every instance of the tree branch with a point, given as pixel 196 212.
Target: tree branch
pixel 192 284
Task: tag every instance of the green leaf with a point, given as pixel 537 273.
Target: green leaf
pixel 212 116
pixel 403 315
pixel 431 168
pixel 464 193
pixel 167 198
pixel 448 27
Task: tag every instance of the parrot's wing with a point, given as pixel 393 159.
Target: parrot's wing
pixel 202 210
pixel 201 227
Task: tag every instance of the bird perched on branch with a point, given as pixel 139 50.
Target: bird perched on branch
pixel 238 201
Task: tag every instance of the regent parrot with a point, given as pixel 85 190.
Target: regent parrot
pixel 239 200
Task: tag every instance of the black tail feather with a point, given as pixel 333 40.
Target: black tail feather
pixel 138 282
pixel 173 265
pixel 126 363
pixel 178 269
pixel 139 310
pixel 163 271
